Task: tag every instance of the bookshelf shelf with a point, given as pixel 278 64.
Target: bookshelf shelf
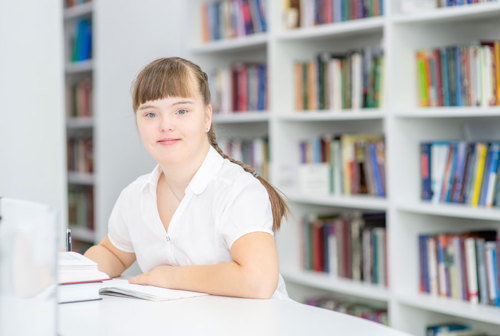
pixel 450 112
pixel 78 11
pixel 353 202
pixel 240 43
pixel 83 234
pixel 353 27
pixel 241 117
pixel 455 13
pixel 366 114
pixel 79 67
pixel 335 284
pixel 453 307
pixel 81 178
pixel 451 210
pixel 77 123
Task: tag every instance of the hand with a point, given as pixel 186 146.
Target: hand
pixel 158 276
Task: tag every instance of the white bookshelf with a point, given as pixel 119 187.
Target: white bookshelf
pixel 80 126
pixel 404 125
pixel 240 117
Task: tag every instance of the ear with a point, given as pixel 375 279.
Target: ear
pixel 208 115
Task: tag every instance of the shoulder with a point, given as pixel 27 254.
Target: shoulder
pixel 233 181
pixel 135 188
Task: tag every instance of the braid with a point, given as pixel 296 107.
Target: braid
pixel 279 207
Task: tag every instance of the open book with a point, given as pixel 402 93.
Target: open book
pixel 76 268
pixel 120 287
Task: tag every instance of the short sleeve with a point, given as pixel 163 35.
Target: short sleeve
pixel 248 211
pixel 118 232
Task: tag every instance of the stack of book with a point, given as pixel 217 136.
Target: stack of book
pixel 311 13
pixel 412 6
pixel 243 87
pixel 253 152
pixel 337 82
pixel 81 206
pixel 356 309
pixel 79 279
pixel 353 246
pixel 461 172
pixel 80 99
pixel 349 164
pixel 463 266
pixel 453 329
pixel 459 75
pixel 232 18
pixel 80 154
pixel 81 41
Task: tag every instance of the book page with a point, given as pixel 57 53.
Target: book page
pixel 121 287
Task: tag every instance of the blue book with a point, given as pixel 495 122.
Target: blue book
pixel 376 170
pixel 492 177
pixel 326 257
pixel 262 87
pixel 496 300
pixel 444 76
pixel 463 150
pixel 444 328
pixel 261 11
pixel 458 77
pixel 424 267
pixel 316 143
pixel 471 174
pixel 337 10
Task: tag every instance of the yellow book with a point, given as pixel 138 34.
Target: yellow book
pixel 497 77
pixel 299 91
pixel 482 149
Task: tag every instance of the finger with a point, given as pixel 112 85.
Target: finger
pixel 141 279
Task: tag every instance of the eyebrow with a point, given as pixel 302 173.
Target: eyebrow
pixel 183 102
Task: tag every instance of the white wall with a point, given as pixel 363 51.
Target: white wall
pixel 32 155
pixel 129 34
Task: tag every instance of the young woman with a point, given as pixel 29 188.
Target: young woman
pixel 200 221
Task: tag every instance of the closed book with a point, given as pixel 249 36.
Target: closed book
pixel 68 293
pixel 76 268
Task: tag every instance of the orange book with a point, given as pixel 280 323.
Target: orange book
pixel 312 85
pixel 299 106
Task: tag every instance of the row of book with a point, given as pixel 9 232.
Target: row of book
pixel 73 3
pixel 453 329
pixel 80 99
pixel 361 310
pixel 253 152
pixel 81 206
pixel 81 41
pixel 352 246
pixel 461 172
pixel 80 154
pixel 463 266
pixel 412 6
pixel 297 13
pixel 336 82
pixel 243 87
pixel 459 75
pixel 232 18
pixel 349 164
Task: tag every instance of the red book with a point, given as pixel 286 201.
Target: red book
pixel 243 88
pixel 317 242
pixel 439 79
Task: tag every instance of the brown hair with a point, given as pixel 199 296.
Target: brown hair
pixel 173 76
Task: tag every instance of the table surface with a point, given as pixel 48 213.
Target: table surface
pixel 209 315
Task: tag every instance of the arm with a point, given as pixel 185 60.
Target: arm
pixel 109 259
pixel 253 273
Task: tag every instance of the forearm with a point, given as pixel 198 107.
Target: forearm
pixel 107 262
pixel 226 279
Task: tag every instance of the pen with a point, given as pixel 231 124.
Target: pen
pixel 68 239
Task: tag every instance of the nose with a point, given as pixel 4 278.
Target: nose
pixel 166 122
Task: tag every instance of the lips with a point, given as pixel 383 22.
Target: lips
pixel 168 141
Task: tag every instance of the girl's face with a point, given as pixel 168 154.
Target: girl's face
pixel 174 129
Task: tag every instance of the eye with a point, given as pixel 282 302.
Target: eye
pixel 181 112
pixel 150 115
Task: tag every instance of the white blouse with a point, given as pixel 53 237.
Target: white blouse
pixel 221 203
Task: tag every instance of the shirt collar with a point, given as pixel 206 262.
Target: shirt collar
pixel 208 169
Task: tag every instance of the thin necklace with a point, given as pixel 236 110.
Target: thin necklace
pixel 172 190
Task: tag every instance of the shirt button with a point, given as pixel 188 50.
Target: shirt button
pixel 168 238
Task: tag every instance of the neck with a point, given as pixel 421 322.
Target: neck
pixel 179 175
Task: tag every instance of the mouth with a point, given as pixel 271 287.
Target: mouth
pixel 168 141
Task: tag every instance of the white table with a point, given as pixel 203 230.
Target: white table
pixel 209 315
